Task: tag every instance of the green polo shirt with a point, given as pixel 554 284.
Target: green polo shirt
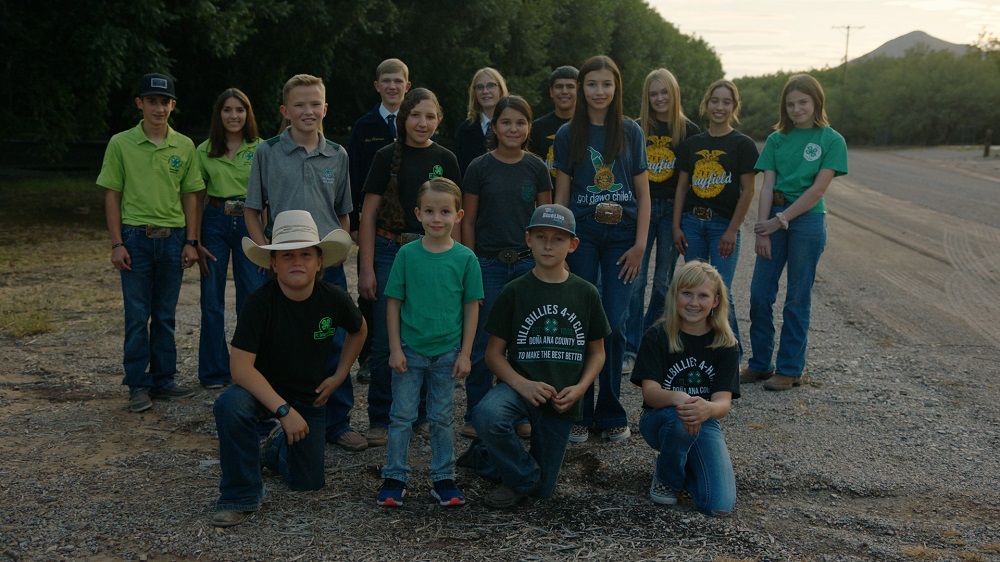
pixel 149 177
pixel 225 178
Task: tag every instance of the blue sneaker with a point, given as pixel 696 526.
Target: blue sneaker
pixel 391 493
pixel 446 492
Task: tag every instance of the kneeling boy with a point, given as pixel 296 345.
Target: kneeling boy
pixel 546 346
pixel 280 350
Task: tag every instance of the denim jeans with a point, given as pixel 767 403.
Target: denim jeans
pixel 700 463
pixel 661 231
pixel 380 386
pixel 499 454
pixel 496 274
pixel 600 248
pixel 703 244
pixel 338 406
pixel 222 235
pixel 799 248
pixel 150 291
pixel 238 418
pixel 435 372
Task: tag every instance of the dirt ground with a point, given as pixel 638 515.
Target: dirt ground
pixel 887 453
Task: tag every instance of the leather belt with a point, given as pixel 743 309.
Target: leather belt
pixel 507 256
pixel 401 239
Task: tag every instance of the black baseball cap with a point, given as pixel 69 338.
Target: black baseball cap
pixel 156 85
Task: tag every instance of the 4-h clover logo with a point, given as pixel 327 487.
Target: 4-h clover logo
pixel 812 152
pixel 551 326
pixel 175 162
pixel 436 172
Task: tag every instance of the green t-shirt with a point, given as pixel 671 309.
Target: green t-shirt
pixel 225 178
pixel 434 288
pixel 547 327
pixel 798 155
pixel 151 178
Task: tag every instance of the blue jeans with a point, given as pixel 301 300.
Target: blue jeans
pixel 798 248
pixel 703 244
pixel 238 418
pixel 700 463
pixel 338 407
pixel 499 454
pixel 150 291
pixel 496 274
pixel 380 386
pixel 601 246
pixel 661 231
pixel 222 235
pixel 436 373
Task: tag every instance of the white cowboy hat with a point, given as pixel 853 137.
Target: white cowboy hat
pixel 297 229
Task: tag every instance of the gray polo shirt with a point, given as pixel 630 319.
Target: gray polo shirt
pixel 286 178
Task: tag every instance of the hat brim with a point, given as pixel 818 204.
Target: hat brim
pixel 335 247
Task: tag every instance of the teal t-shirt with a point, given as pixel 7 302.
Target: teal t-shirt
pixel 434 288
pixel 225 178
pixel 151 178
pixel 798 155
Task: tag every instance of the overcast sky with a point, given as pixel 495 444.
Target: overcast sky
pixel 755 38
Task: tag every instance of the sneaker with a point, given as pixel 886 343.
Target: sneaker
pixel 364 375
pixel 230 518
pixel 468 431
pixel 616 434
pixel 391 493
pixel 628 364
pixel 503 497
pixel 171 392
pixel 138 400
pixel 661 494
pixel 423 430
pixel 351 441
pixel 377 436
pixel 523 431
pixel 446 492
pixel 213 386
pixel 782 382
pixel 579 434
pixel 748 375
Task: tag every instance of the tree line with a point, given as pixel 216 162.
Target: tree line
pixel 69 75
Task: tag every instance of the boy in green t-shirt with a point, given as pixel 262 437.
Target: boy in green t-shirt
pixel 546 346
pixel 151 176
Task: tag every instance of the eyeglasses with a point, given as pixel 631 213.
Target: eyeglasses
pixel 486 86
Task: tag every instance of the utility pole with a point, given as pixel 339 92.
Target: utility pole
pixel 847 46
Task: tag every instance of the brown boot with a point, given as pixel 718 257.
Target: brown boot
pixel 748 375
pixel 782 382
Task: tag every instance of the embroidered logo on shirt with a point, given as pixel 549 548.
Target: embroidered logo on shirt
pixel 436 172
pixel 248 157
pixel 175 164
pixel 326 329
pixel 327 176
pixel 604 178
pixel 812 152
pixel 709 177
pixel 527 191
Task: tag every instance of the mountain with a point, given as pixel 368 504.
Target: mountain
pixel 897 47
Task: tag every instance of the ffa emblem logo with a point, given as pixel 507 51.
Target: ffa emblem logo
pixel 436 172
pixel 604 178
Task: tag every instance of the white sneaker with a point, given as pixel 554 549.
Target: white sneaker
pixel 616 434
pixel 628 364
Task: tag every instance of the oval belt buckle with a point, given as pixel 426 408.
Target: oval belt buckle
pixel 507 256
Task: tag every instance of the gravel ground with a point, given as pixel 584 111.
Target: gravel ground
pixel 888 452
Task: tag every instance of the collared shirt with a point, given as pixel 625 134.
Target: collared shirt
pixel 287 178
pixel 225 178
pixel 484 122
pixel 151 178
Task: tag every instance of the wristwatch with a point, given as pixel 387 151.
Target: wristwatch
pixel 282 411
pixel 191 243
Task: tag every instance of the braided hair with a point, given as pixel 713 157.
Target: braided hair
pixel 390 210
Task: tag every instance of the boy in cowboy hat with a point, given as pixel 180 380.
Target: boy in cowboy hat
pixel 278 362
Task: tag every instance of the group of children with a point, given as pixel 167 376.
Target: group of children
pixel 532 302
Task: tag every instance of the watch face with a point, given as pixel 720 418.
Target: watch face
pixel 282 410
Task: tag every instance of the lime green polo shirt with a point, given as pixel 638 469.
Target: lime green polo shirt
pixel 225 178
pixel 151 178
